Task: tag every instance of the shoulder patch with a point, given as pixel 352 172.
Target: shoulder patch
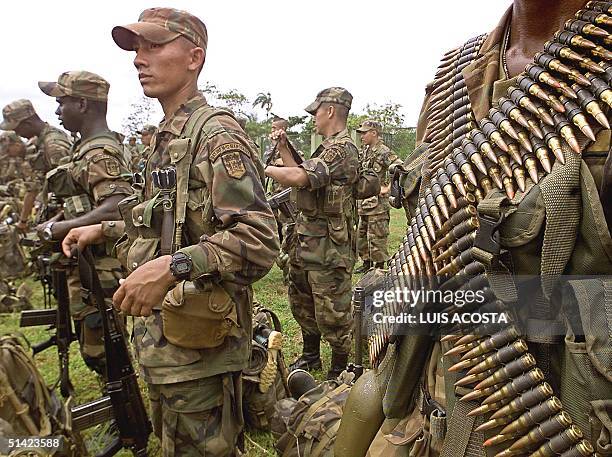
pixel 112 167
pixel 332 154
pixel 233 164
pixel 227 147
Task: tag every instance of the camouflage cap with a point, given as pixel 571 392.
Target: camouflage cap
pixel 147 129
pixel 370 124
pixel 338 95
pixel 162 25
pixel 77 84
pixel 15 112
pixel 9 137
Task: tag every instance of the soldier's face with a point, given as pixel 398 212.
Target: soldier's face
pixel 322 118
pixel 368 137
pixel 146 138
pixel 70 111
pixel 276 127
pixel 165 69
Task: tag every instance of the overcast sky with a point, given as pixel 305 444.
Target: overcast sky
pixel 379 50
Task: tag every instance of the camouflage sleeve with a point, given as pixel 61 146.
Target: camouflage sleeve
pixel 56 147
pixel 393 161
pixel 103 175
pixel 335 164
pixel 245 244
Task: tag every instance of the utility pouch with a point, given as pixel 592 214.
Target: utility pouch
pixel 305 201
pixel 368 184
pixel 60 182
pixel 198 316
pixel 334 199
pixel 396 194
pixel 76 206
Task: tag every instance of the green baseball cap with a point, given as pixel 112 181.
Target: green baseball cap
pixel 77 84
pixel 16 112
pixel 337 95
pixel 148 129
pixel 368 125
pixel 161 25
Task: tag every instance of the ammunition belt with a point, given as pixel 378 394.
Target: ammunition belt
pixel 567 87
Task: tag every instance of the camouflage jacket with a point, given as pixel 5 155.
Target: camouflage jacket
pixel 230 234
pixel 52 145
pixel 326 206
pixel 16 170
pixel 382 160
pixel 96 171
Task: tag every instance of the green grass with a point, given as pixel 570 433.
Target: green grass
pixel 269 291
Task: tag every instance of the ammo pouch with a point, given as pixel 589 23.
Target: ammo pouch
pixel 60 182
pixel 76 206
pixel 396 195
pixel 198 315
pixel 368 184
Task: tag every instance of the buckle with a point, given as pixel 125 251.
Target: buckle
pixel 487 235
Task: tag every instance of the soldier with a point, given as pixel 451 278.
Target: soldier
pixel 90 186
pixel 131 150
pixel 285 223
pixel 322 259
pixel 536 219
pixel 222 239
pixel 139 157
pixel 51 146
pixel 374 211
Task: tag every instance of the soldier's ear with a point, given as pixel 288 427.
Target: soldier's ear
pixel 331 111
pixel 83 105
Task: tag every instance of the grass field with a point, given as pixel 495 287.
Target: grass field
pixel 269 291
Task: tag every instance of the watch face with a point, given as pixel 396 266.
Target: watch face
pixel 182 267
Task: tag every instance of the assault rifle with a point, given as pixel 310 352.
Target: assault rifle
pixel 282 202
pixel 358 308
pixel 53 273
pixel 123 401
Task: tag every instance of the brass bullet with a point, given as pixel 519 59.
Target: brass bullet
pixel 573 39
pixel 554 143
pixel 538 73
pixel 469 338
pixel 583 27
pixel 483 409
pixel 544 430
pixel 531 87
pixel 495 341
pixel 493 423
pixel 502 122
pixel 500 357
pixel 447 188
pixel 497 439
pixel 601 52
pixel 534 416
pixel 564 129
pixel 471 379
pixel 515 153
pixel 453 172
pixel 516 386
pixel 495 175
pixel 449 338
pixel 475 394
pixel 481 142
pixel 512 111
pixel 556 105
pixel 490 130
pixel 523 138
pixel 559 443
pixel 583 449
pixel 519 176
pixel 526 400
pixel 541 152
pixel 594 17
pixel 589 103
pixel 457 247
pixel 509 370
pixel 472 153
pixel 574 113
pixel 485 184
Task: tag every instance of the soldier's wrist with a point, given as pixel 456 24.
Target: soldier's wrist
pixel 203 260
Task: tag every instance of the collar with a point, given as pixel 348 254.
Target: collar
pixel 484 70
pixel 333 139
pixel 175 123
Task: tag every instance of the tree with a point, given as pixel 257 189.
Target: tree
pixel 264 101
pixel 139 115
pixel 388 115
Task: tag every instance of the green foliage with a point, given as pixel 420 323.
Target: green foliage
pixel 388 115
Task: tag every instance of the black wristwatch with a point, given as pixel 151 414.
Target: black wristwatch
pixel 180 266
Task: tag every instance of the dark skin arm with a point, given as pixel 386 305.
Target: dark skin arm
pixel 290 175
pixel 106 211
pixel 28 204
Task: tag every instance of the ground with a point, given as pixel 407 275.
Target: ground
pixel 269 291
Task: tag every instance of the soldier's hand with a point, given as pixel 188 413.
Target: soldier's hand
pixel 81 237
pixel 22 226
pixel 281 137
pixel 384 190
pixel 145 287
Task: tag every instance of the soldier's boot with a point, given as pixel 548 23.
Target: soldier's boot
pixel 366 266
pixel 338 364
pixel 380 265
pixel 311 357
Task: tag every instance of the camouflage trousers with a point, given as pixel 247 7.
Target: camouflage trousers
pixel 87 319
pixel 320 302
pixel 197 418
pixel 288 240
pixel 372 237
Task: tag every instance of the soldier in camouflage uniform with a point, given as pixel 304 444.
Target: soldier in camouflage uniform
pixel 228 241
pixel 374 211
pixel 146 136
pixel 285 224
pixel 322 259
pixel 50 143
pixel 131 150
pixel 90 186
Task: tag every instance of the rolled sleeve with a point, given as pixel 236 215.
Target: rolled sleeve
pixel 318 173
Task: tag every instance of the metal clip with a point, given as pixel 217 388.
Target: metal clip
pixel 164 178
pixel 487 235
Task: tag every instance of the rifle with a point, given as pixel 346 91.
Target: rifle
pixel 124 402
pixel 54 277
pixel 358 307
pixel 268 158
pixel 282 202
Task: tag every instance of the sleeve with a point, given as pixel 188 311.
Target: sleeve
pixel 333 165
pixel 56 147
pixel 246 243
pixel 105 175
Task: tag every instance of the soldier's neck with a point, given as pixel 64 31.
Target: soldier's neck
pixel 38 126
pixel 171 103
pixel 533 23
pixel 93 127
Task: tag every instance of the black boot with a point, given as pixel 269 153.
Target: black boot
pixel 367 264
pixel 338 364
pixel 310 358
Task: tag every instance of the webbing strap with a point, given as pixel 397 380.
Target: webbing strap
pixel 461 432
pixel 327 437
pixel 317 404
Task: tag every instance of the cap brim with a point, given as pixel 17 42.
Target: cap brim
pixel 124 35
pixel 52 89
pixel 7 125
pixel 313 107
pixel 363 130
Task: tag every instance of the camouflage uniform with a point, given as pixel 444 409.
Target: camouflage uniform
pixel 50 146
pixel 374 211
pixel 322 259
pixel 195 393
pixel 95 172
